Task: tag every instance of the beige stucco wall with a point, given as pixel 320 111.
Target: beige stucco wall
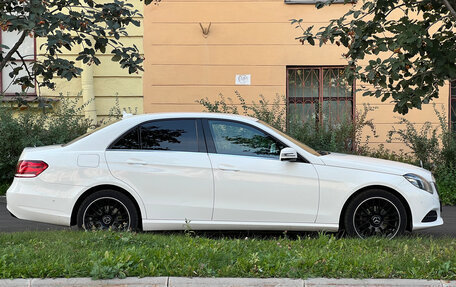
pixel 109 79
pixel 246 37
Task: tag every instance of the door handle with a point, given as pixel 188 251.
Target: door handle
pixel 136 161
pixel 223 167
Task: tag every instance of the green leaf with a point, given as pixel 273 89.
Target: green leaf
pixel 116 58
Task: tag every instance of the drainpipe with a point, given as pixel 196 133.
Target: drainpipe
pixel 88 94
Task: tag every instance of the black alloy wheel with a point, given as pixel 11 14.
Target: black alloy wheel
pixel 107 210
pixel 375 213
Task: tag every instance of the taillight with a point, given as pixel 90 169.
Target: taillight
pixel 30 168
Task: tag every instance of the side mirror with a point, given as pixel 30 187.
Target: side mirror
pixel 288 154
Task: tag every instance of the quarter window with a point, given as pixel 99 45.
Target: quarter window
pixel 129 141
pixel 239 139
pixel 319 95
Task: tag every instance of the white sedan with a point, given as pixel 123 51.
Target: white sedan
pixel 216 171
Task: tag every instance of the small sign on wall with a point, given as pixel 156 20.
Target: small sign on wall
pixel 243 79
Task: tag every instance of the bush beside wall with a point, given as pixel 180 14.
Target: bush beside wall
pixel 23 125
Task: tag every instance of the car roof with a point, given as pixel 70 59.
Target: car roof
pixel 153 116
pixel 111 132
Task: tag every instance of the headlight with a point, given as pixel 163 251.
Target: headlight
pixel 419 182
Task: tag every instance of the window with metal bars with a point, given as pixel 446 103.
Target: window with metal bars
pixel 453 105
pixel 28 51
pixel 319 95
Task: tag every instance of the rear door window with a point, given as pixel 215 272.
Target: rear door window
pixel 171 135
pixel 167 135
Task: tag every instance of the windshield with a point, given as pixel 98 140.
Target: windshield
pixel 296 142
pixel 90 132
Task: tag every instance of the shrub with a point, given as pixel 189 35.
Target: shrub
pixel 435 147
pixel 384 153
pixel 341 137
pixel 24 126
pixel 423 143
pixel 3 188
pixel 271 113
pixel 446 183
pixel 447 155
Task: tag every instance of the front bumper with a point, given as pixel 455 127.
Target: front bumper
pixel 421 203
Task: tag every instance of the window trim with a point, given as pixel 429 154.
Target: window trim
pixel 202 147
pixel 34 94
pixel 211 145
pixel 321 98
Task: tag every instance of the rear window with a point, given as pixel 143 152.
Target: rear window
pixel 90 132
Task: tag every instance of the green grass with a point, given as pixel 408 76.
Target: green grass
pixel 108 255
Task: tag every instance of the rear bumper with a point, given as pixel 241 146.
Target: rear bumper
pixel 49 203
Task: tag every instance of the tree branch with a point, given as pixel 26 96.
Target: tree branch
pixel 25 65
pixel 450 8
pixel 13 49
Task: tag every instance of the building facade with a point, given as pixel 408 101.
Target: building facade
pixel 197 49
pixel 202 48
pixel 99 85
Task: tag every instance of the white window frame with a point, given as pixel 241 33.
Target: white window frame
pixel 28 60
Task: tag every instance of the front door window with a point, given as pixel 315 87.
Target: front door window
pixel 239 139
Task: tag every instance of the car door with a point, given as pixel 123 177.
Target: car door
pixel 251 183
pixel 166 162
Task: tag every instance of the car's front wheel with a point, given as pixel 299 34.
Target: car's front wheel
pixel 107 209
pixel 375 213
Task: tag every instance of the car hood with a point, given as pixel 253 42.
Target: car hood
pixel 373 164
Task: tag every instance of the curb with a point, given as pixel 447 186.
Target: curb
pixel 222 282
pixel 2 198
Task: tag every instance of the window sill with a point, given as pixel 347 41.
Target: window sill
pixel 313 1
pixel 30 101
pixel 13 98
pixel 29 98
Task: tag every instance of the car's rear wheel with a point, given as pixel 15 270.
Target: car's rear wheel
pixel 107 210
pixel 375 213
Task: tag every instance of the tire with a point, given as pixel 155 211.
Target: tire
pixel 107 210
pixel 375 212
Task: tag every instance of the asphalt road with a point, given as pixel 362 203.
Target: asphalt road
pixel 11 224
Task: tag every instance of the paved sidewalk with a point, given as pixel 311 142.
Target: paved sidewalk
pixel 221 282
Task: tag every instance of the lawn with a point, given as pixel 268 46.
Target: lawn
pixel 109 254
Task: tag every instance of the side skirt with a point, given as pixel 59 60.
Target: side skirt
pixel 235 225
